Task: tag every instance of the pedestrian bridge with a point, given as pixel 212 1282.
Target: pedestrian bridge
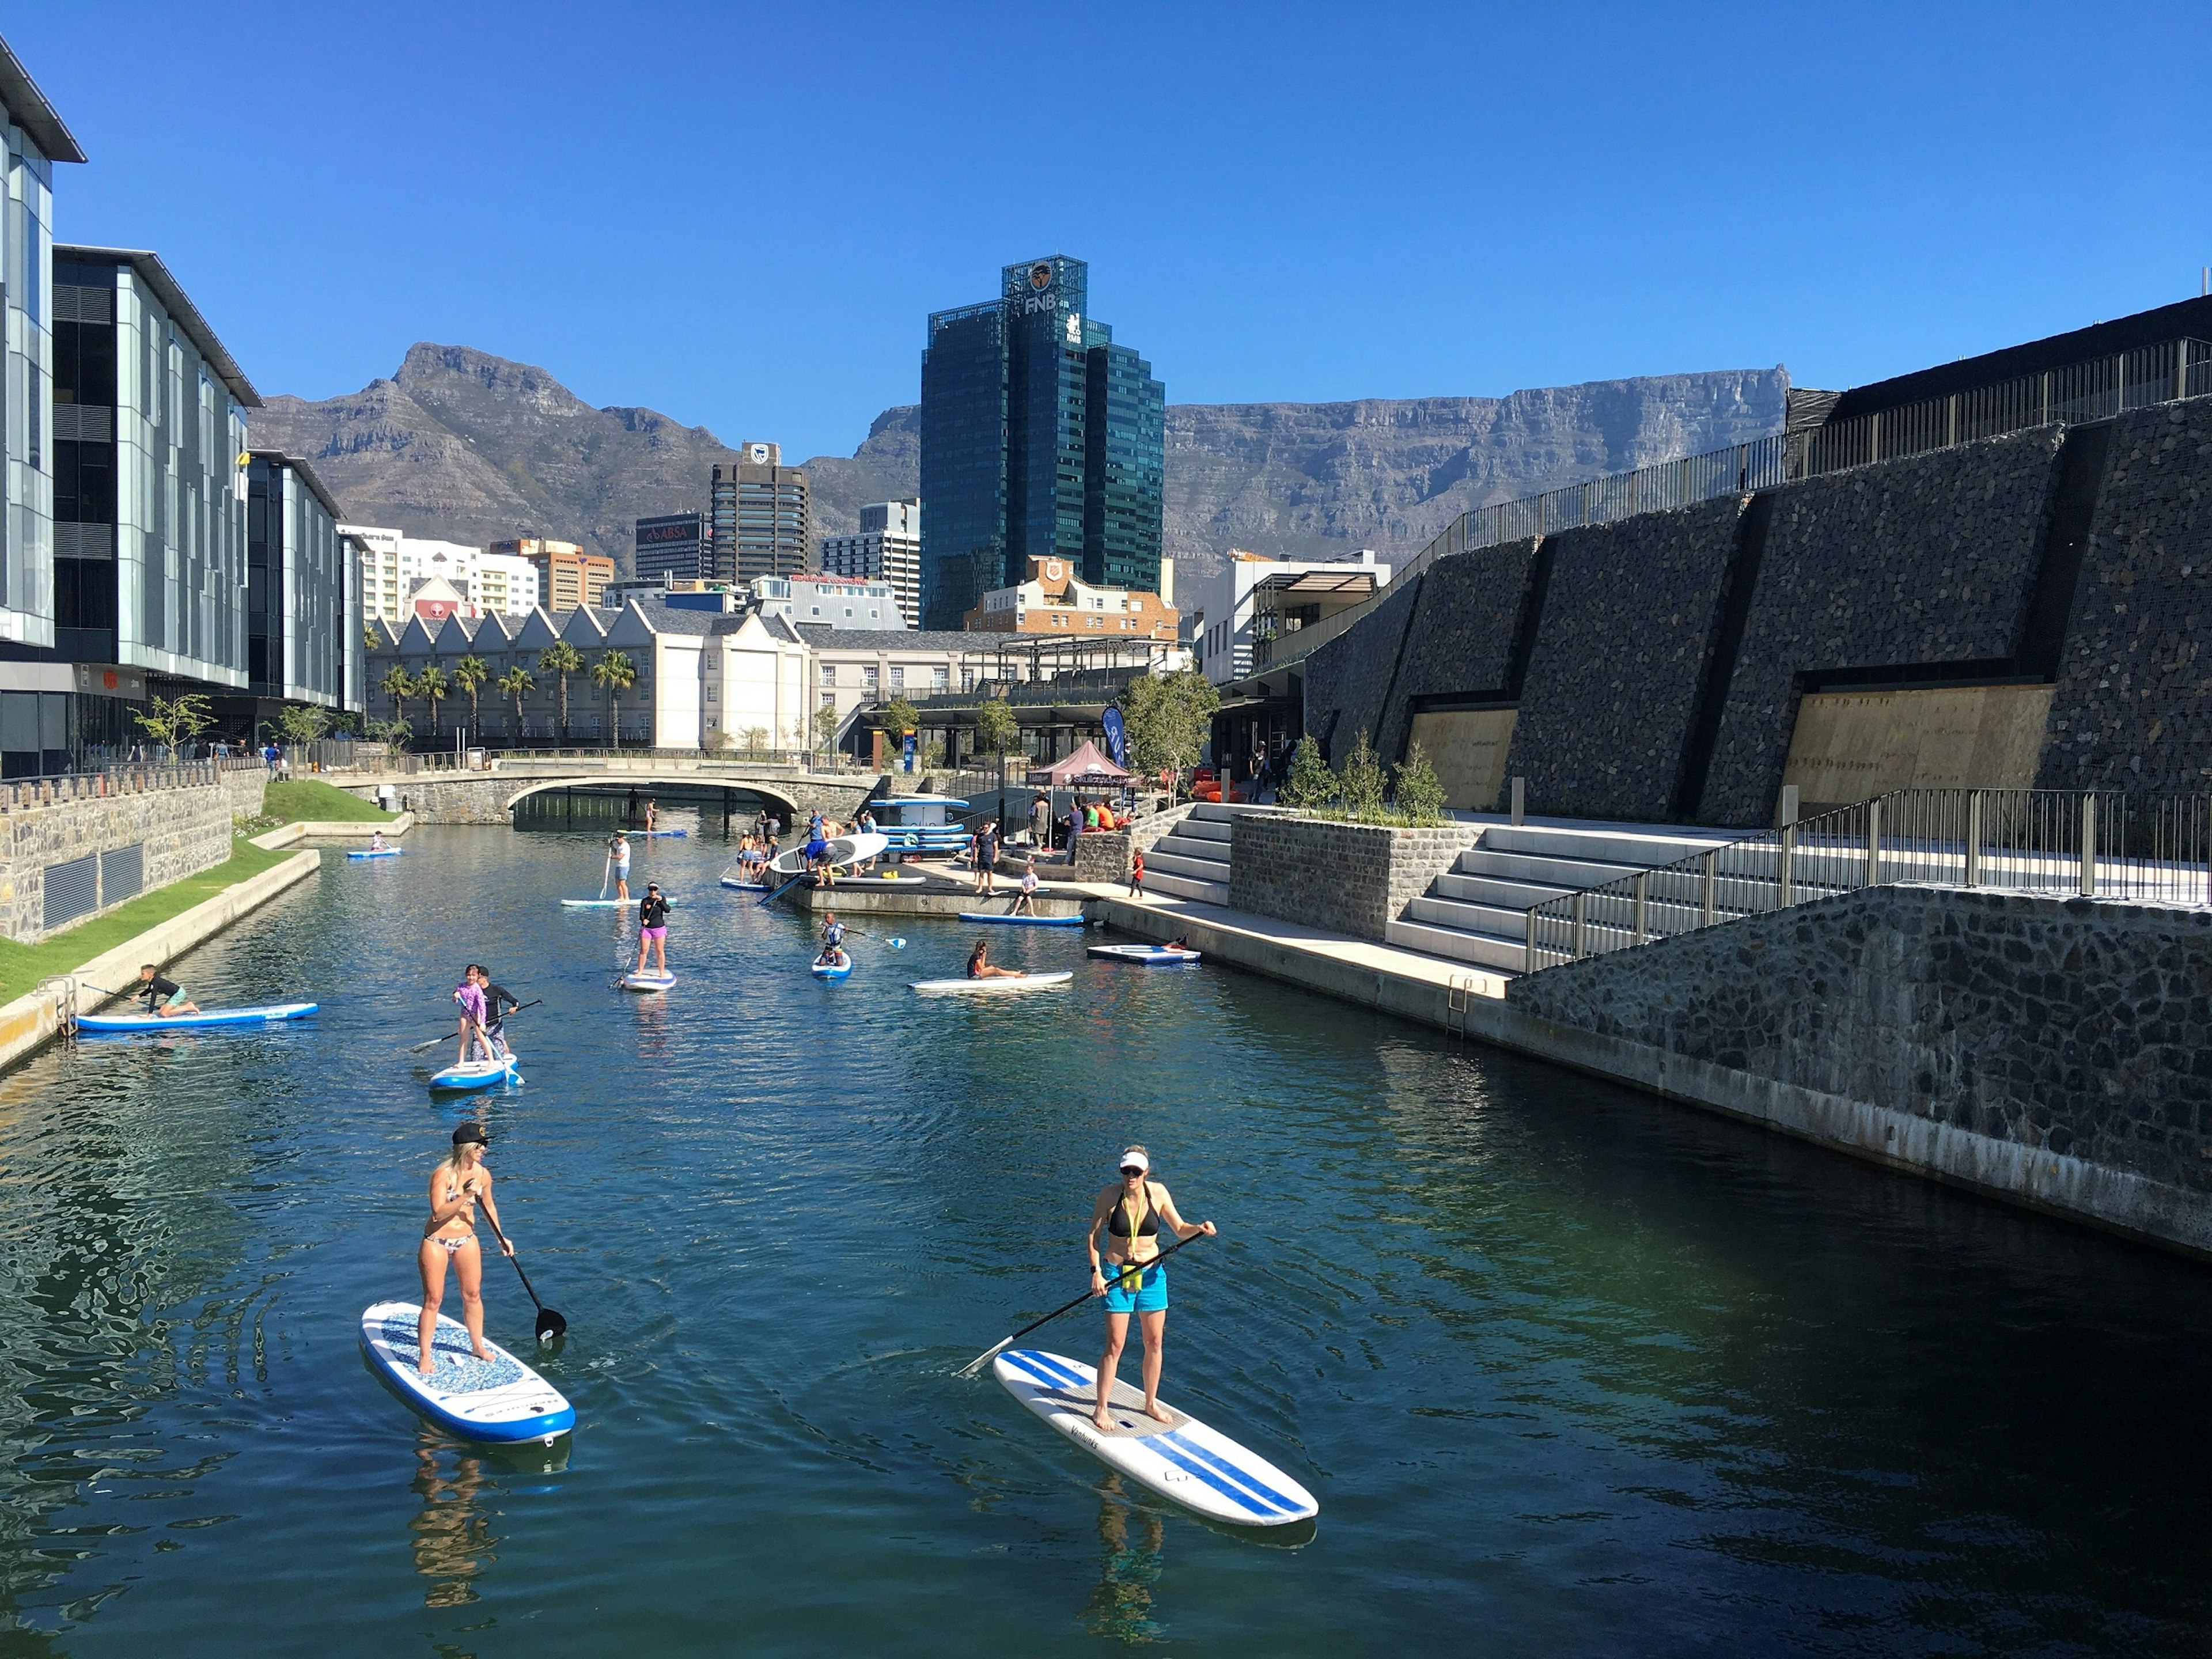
pixel 491 796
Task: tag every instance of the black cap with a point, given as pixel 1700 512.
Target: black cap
pixel 469 1131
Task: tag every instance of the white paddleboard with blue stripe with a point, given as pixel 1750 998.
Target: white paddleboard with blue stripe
pixel 1198 1468
pixel 499 1402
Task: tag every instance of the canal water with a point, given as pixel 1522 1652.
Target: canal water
pixel 1570 1371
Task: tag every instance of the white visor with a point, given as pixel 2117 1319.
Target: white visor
pixel 1135 1161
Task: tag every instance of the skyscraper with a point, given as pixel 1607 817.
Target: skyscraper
pixel 888 549
pixel 757 517
pixel 1041 438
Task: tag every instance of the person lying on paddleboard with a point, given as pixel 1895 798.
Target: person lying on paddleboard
pixel 499 1002
pixel 979 964
pixel 471 996
pixel 163 995
pixel 1130 1214
pixel 457 1185
pixel 652 929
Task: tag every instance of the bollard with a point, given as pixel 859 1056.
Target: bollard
pixel 1785 811
pixel 1520 801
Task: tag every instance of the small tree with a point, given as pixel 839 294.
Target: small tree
pixel 563 660
pixel 1310 783
pixel 469 674
pixel 1168 718
pixel 516 683
pixel 398 685
pixel 1420 794
pixel 302 722
pixel 996 729
pixel 431 685
pixel 754 740
pixel 614 673
pixel 370 638
pixel 170 721
pixel 393 734
pixel 1362 780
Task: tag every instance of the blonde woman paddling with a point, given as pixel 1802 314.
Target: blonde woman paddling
pixel 1125 1228
pixel 457 1186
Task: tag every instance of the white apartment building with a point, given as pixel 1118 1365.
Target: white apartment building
pixel 831 601
pixel 888 549
pixel 394 566
pixel 1223 605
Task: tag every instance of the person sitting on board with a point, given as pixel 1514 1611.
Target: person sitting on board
pixel 833 931
pixel 1178 942
pixel 471 996
pixel 499 1002
pixel 1025 902
pixel 163 995
pixel 833 956
pixel 1129 1215
pixel 376 840
pixel 652 929
pixel 457 1185
pixel 979 964
pixel 618 855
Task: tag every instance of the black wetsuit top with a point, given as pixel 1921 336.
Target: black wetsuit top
pixel 494 1015
pixel 152 993
pixel 653 913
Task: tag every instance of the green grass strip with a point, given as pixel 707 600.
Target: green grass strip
pixel 310 800
pixel 23 966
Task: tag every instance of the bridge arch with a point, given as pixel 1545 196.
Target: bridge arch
pixel 602 780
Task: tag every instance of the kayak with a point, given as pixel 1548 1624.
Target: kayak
pixel 647 981
pixel 609 905
pixel 478 1073
pixel 840 850
pixel 1183 1459
pixel 498 1401
pixel 377 852
pixel 266 1015
pixel 1146 955
pixel 990 987
pixel 822 970
pixel 1024 921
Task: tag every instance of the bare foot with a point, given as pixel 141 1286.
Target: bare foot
pixel 1155 1410
pixel 482 1355
pixel 1104 1427
pixel 426 1370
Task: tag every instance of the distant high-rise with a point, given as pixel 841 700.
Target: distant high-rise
pixel 1041 438
pixel 672 547
pixel 566 576
pixel 888 549
pixel 757 517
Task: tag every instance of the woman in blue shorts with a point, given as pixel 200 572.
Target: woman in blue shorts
pixel 1124 1224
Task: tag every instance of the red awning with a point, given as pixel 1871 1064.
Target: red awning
pixel 1086 769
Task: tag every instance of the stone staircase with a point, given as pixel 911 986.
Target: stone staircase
pixel 1477 912
pixel 1192 862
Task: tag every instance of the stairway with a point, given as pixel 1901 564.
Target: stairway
pixel 1477 911
pixel 1192 861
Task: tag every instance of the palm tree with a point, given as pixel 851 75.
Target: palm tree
pixel 614 673
pixel 470 673
pixel 516 683
pixel 432 684
pixel 398 685
pixel 562 658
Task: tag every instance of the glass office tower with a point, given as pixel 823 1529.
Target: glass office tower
pixel 1041 438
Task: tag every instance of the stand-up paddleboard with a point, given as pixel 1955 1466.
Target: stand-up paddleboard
pixel 1199 1468
pixel 995 984
pixel 1024 921
pixel 377 852
pixel 610 904
pixel 498 1401
pixel 478 1073
pixel 843 850
pixel 657 832
pixel 647 981
pixel 824 970
pixel 1146 955
pixel 267 1015
pixel 743 886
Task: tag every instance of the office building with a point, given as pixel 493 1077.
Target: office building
pixel 303 603
pixel 887 548
pixel 1254 589
pixel 1054 601
pixel 395 565
pixel 1041 438
pixel 757 517
pixel 566 576
pixel 828 600
pixel 672 548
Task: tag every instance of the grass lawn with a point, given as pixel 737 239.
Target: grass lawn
pixel 308 799
pixel 23 966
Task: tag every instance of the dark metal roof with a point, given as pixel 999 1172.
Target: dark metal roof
pixel 28 109
pixel 149 270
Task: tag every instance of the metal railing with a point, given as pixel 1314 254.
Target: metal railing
pixel 2090 844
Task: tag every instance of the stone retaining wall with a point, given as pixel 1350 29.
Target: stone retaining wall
pixel 1104 854
pixel 179 832
pixel 1350 878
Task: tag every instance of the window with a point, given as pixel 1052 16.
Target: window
pixel 868 676
pixel 714 694
pixel 940 678
pixel 898 679
pixel 829 673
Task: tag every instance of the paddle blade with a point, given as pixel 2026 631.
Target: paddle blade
pixel 974 1366
pixel 550 1325
pixel 898 944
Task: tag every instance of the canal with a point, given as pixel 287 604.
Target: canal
pixel 1570 1371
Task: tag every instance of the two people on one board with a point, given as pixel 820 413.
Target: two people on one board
pixel 652 929
pixel 1124 1237
pixel 458 1185
pixel 833 943
pixel 162 994
pixel 485 1009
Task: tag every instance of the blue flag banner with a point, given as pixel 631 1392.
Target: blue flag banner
pixel 1117 741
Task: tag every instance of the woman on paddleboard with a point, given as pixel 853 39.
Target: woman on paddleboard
pixel 1129 1216
pixel 457 1185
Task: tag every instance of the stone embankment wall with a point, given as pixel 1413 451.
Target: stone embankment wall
pixel 2050 1050
pixel 1104 854
pixel 111 847
pixel 1464 641
pixel 1348 878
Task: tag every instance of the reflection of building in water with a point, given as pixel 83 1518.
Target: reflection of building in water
pixel 452 1537
pixel 1121 1606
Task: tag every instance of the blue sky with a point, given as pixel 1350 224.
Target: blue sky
pixel 741 215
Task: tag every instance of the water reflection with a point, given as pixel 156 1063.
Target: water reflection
pixel 453 1539
pixel 1135 1544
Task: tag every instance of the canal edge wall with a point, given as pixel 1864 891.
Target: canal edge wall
pixel 1938 1131
pixel 33 1019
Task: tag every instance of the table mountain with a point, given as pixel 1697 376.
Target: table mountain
pixel 472 447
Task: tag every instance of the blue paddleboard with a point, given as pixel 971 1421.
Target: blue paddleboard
pixel 377 852
pixel 499 1402
pixel 1024 922
pixel 268 1015
pixel 478 1073
pixel 822 970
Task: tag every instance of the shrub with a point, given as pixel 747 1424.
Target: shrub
pixel 1362 781
pixel 1310 783
pixel 1420 795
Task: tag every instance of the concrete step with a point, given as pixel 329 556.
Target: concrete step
pixel 1488 889
pixel 1469 918
pixel 1208 811
pixel 1208 870
pixel 1540 869
pixel 1175 886
pixel 1194 847
pixel 1498 954
pixel 1198 829
pixel 1627 847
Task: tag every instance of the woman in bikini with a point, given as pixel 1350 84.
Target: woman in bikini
pixel 456 1187
pixel 1129 1216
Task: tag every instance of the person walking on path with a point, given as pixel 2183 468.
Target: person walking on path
pixel 986 859
pixel 1136 875
pixel 458 1185
pixel 1125 1227
pixel 618 857
pixel 652 929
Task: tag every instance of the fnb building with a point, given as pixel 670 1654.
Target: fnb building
pixel 1041 438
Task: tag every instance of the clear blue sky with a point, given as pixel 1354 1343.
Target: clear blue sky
pixel 740 215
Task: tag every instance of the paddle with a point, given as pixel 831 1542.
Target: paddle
pixel 981 1360
pixel 447 1037
pixel 895 943
pixel 605 874
pixel 550 1324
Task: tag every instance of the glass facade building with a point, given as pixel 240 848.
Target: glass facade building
pixel 304 614
pixel 672 547
pixel 1041 438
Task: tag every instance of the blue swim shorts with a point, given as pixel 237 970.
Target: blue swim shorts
pixel 1125 1295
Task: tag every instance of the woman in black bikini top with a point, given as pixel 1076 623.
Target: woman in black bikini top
pixel 1127 1218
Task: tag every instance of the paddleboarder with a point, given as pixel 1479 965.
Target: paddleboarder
pixel 979 964
pixel 499 1002
pixel 833 931
pixel 652 929
pixel 162 994
pixel 1129 1216
pixel 471 996
pixel 618 859
pixel 652 816
pixel 457 1186
pixel 376 840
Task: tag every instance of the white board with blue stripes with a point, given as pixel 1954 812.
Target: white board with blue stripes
pixel 1181 1459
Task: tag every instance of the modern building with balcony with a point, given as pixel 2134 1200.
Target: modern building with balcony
pixel 303 605
pixel 887 548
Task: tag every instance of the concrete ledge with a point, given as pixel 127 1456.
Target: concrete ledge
pixel 30 1021
pixel 334 829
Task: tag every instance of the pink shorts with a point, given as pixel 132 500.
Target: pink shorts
pixel 653 933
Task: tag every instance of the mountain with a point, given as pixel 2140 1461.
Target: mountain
pixel 468 446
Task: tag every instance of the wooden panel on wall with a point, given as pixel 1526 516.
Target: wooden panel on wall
pixel 1468 748
pixel 1850 745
